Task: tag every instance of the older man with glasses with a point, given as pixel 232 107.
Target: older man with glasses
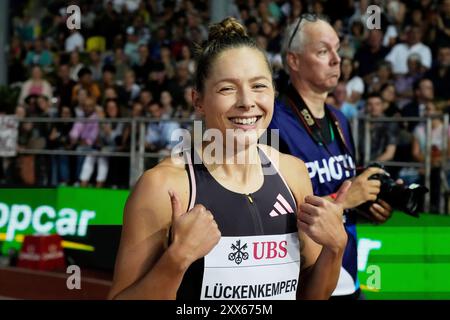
pixel 320 135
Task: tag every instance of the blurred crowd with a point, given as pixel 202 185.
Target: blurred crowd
pixel 135 58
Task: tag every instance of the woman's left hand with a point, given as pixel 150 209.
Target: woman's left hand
pixel 322 220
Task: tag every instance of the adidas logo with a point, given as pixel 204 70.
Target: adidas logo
pixel 280 207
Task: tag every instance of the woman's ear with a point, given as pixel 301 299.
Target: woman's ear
pixel 197 101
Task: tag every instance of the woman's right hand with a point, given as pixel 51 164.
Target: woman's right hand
pixel 194 233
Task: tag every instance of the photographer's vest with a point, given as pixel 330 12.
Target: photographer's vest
pixel 327 171
pixel 258 255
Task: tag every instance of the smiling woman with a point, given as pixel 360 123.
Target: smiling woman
pixel 225 230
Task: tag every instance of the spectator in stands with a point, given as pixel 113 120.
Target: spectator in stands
pixel 142 66
pixel 423 94
pixel 108 23
pixel 399 54
pixel 382 76
pixel 342 103
pixel 110 137
pixel 354 85
pixel 75 65
pixel 22 168
pixel 36 85
pixel 132 46
pixel 39 55
pixel 179 82
pixel 84 134
pixel 186 57
pixel 440 75
pixel 85 81
pixel 158 79
pixel 371 53
pixel 442 20
pixel 96 65
pixel 158 137
pixel 419 150
pixel 108 79
pixel 389 96
pixel 59 139
pixel 145 97
pixel 383 134
pixel 120 63
pixel 64 86
pixel 16 56
pixel 130 90
pixel 168 107
pixel 74 42
pixel 168 61
pixel 404 83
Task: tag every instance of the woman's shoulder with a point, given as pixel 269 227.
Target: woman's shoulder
pixel 169 172
pixel 152 188
pixel 287 164
pixel 292 169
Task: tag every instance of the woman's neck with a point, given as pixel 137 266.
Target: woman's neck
pixel 235 167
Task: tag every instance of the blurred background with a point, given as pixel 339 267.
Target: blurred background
pixel 90 94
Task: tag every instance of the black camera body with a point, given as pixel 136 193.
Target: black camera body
pixel 399 196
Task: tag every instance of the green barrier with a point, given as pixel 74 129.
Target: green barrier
pixel 66 211
pixel 405 258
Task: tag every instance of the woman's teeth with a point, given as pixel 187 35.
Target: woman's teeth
pixel 247 121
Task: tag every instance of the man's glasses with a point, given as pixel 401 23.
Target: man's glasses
pixel 307 16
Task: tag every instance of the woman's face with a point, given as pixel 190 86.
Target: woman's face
pixel 346 67
pixel 186 52
pixel 238 95
pixel 36 73
pixel 388 94
pixel 65 112
pixel 112 110
pixel 166 98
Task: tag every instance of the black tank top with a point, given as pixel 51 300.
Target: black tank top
pixel 258 256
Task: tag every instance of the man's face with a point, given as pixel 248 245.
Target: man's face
pixel 444 56
pixel 64 72
pixel 155 110
pixel 89 107
pixel 414 35
pixel 375 38
pixel 426 90
pixel 375 106
pixel 319 63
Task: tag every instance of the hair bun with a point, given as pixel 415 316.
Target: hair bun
pixel 228 28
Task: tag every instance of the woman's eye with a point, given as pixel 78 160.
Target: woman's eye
pixel 226 89
pixel 259 86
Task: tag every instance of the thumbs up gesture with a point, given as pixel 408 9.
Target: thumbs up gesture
pixel 195 232
pixel 322 221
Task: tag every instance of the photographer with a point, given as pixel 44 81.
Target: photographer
pixel 320 135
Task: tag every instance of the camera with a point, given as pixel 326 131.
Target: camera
pixel 399 196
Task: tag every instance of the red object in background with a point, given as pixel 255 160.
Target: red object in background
pixel 42 253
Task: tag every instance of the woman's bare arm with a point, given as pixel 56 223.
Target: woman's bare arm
pixel 146 268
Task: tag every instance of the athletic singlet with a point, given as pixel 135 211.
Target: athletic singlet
pixel 327 173
pixel 258 255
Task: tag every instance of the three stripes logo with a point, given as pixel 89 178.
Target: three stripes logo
pixel 281 207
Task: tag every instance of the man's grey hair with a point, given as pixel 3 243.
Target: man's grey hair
pixel 300 38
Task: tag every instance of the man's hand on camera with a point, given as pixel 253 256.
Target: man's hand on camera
pixel 363 189
pixel 380 211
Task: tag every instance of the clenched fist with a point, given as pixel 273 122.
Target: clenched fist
pixel 194 232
